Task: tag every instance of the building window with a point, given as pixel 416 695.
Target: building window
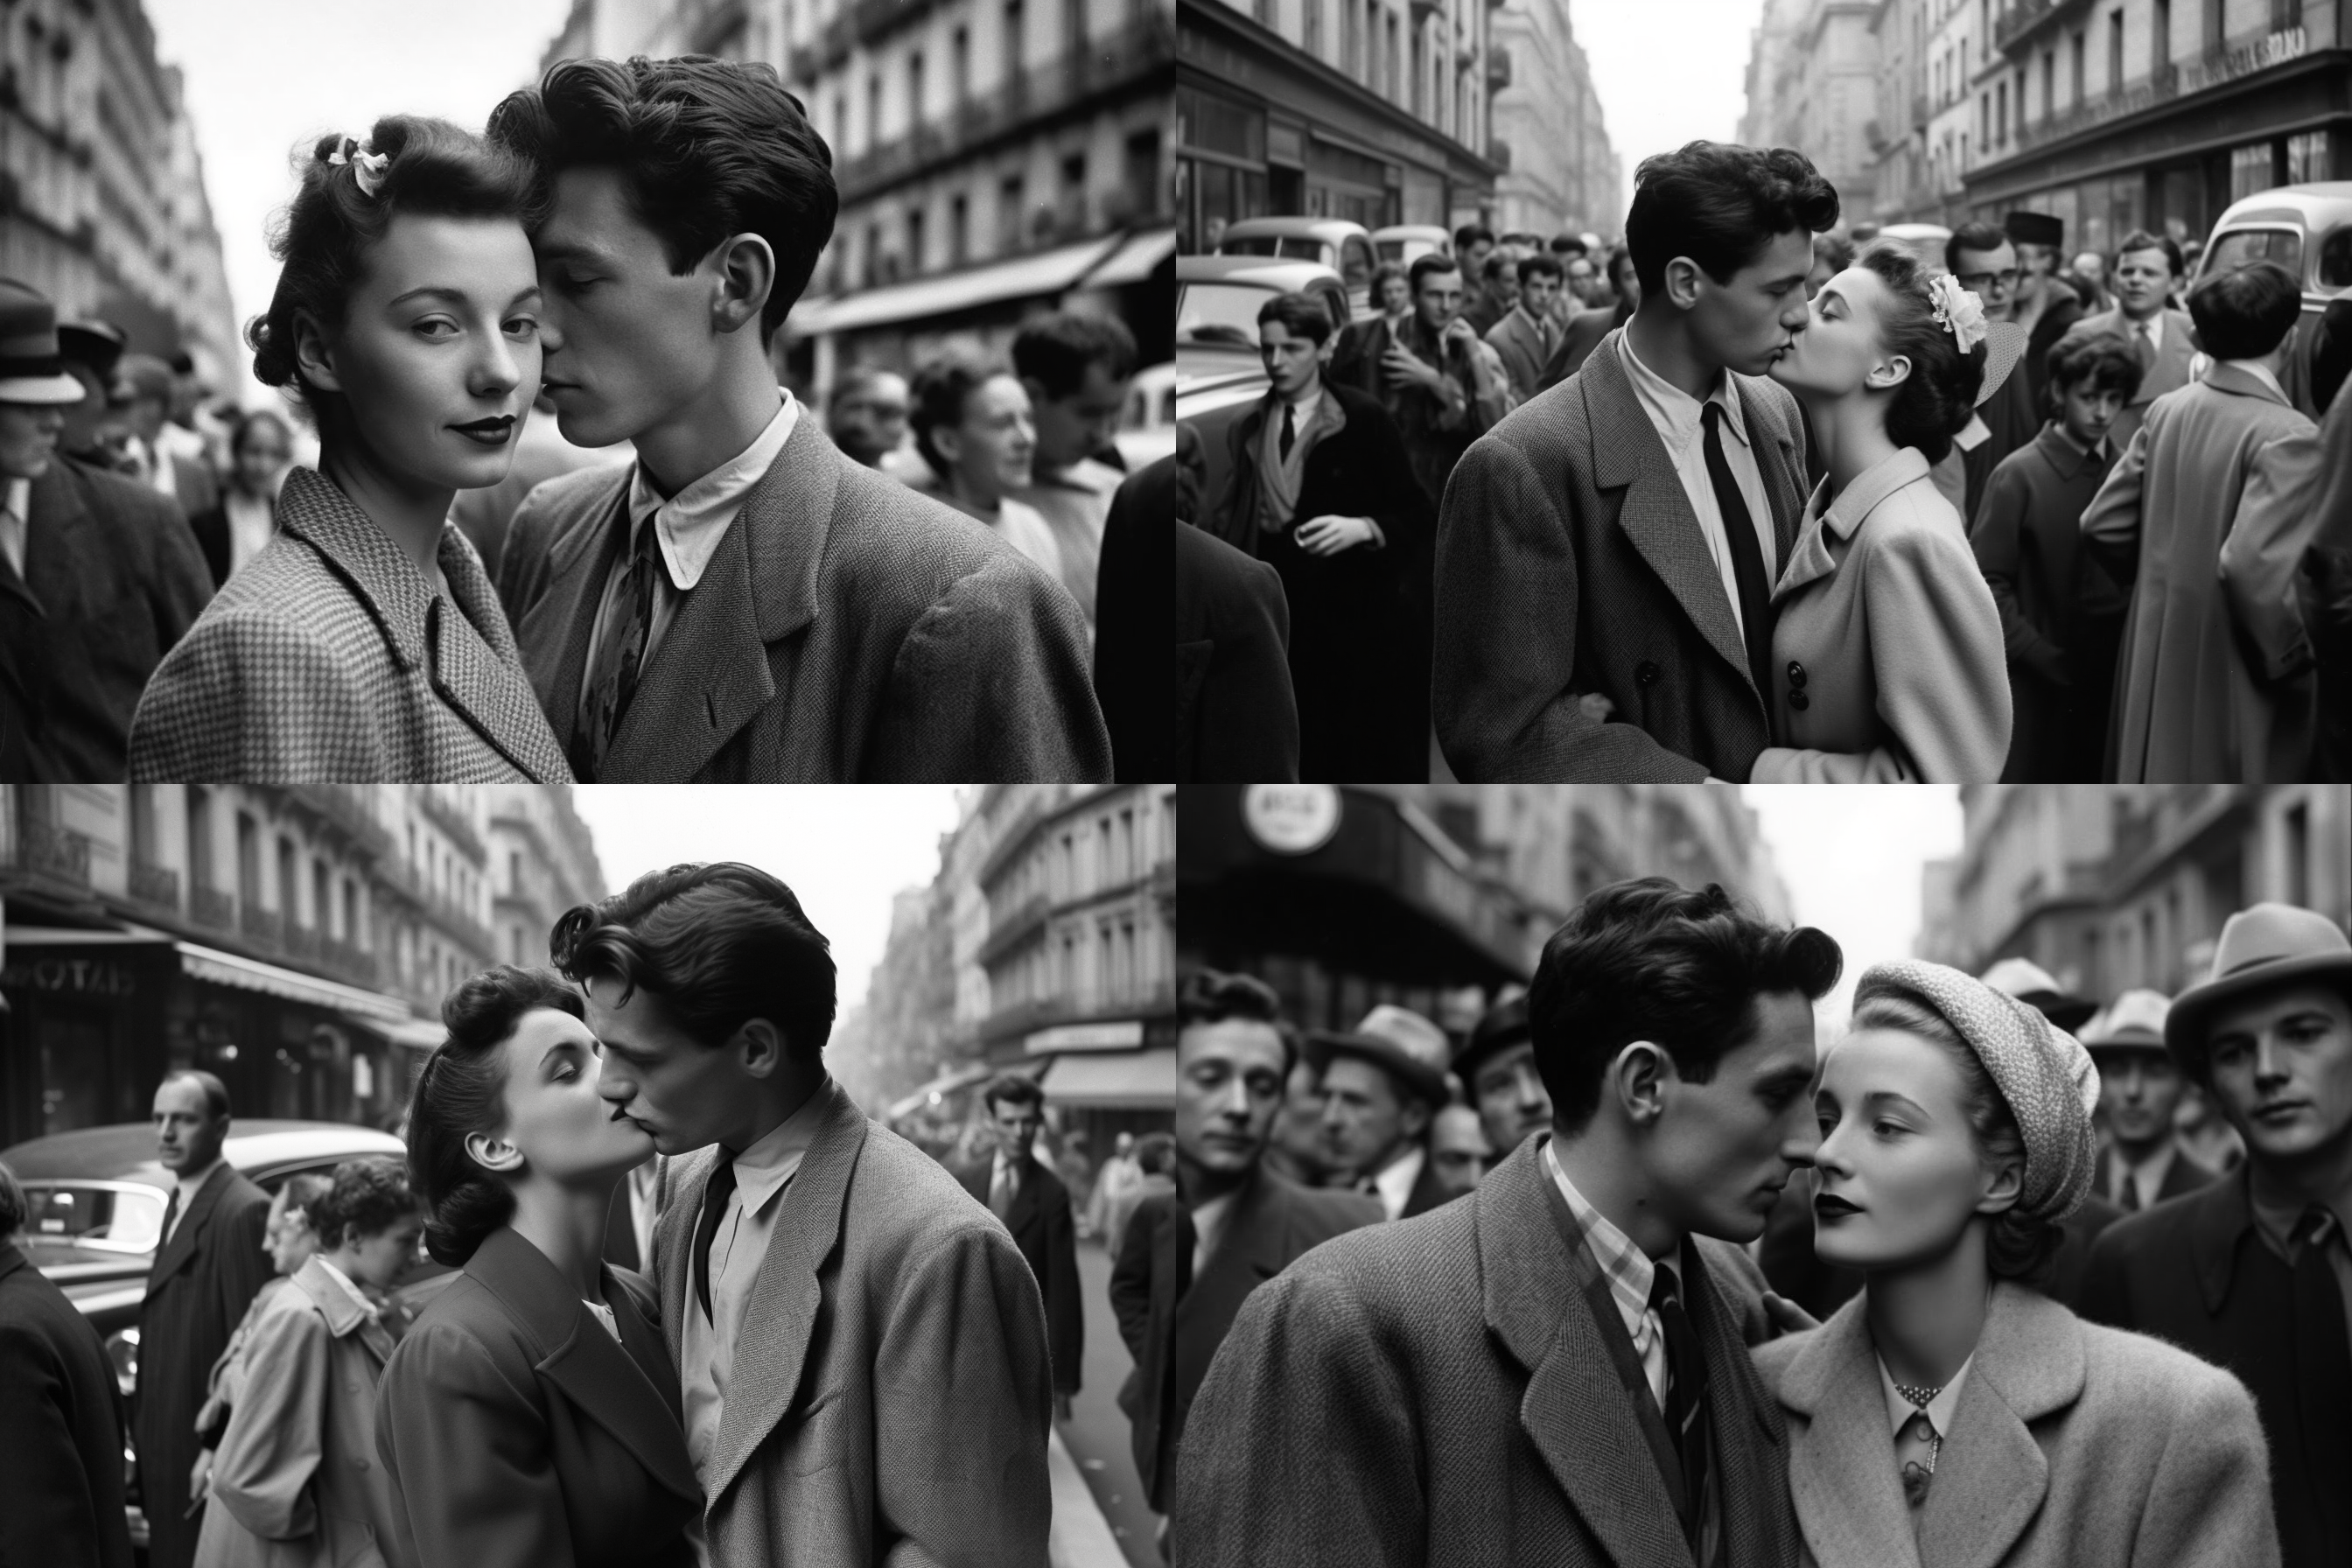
pixel 873 253
pixel 2114 51
pixel 2285 13
pixel 1010 198
pixel 322 902
pixel 1396 86
pixel 2307 157
pixel 873 111
pixel 2216 24
pixel 960 65
pixel 2080 70
pixel 2159 35
pixel 1420 94
pixel 288 893
pixel 1143 172
pixel 1072 217
pixel 1074 21
pixel 914 89
pixel 916 250
pixel 1015 43
pixel 1351 38
pixel 352 913
pixel 200 838
pixel 2249 170
pixel 1310 23
pixel 959 235
pixel 2049 83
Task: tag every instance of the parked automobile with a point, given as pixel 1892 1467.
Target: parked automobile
pixel 2307 229
pixel 1406 243
pixel 1217 301
pixel 1343 246
pixel 1147 425
pixel 1924 241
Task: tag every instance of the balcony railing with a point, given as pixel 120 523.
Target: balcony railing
pixel 300 941
pixel 345 806
pixel 2028 16
pixel 56 851
pixel 451 821
pixel 155 885
pixel 1017 926
pixel 2212 69
pixel 262 927
pixel 211 907
pixel 353 964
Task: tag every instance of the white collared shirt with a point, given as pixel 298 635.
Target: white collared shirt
pixel 358 1296
pixel 2153 329
pixel 188 1186
pixel 1208 1229
pixel 1678 417
pixel 2261 372
pixel 16 521
pixel 1629 1271
pixel 687 528
pixel 603 1313
pixel 1393 1184
pixel 738 1247
pixel 2148 1178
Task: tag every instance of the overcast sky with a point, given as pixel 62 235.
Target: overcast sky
pixel 263 76
pixel 1852 859
pixel 845 850
pixel 1666 72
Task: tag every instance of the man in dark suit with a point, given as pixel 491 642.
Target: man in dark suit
pixel 1382 1083
pixel 1553 1369
pixel 1188 1261
pixel 61 1418
pixel 2140 1087
pixel 1317 485
pixel 2253 1271
pixel 99 577
pixel 1586 326
pixel 1526 335
pixel 209 1265
pixel 1034 1204
pixel 1236 712
pixel 1608 552
pixel 745 603
pixel 166 459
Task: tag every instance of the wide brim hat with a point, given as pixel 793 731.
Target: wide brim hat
pixel 98 344
pixel 2037 987
pixel 1505 1024
pixel 32 366
pixel 2132 1022
pixel 1411 1049
pixel 2261 948
pixel 2034 228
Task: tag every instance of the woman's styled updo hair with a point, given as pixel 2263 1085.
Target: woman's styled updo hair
pixel 460 1092
pixel 2016 1247
pixel 433 169
pixel 1934 405
pixel 364 1197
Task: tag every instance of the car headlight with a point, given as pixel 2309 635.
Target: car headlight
pixel 122 1350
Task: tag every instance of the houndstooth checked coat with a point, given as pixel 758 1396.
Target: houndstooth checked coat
pixel 331 659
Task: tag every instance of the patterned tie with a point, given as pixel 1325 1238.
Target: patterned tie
pixel 1747 556
pixel 1685 1412
pixel 1289 432
pixel 620 655
pixel 1921 1429
pixel 715 1193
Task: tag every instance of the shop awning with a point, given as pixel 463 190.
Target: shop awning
pixel 252 975
pixel 1130 1081
pixel 415 1033
pixel 946 1083
pixel 66 936
pixel 1134 260
pixel 919 299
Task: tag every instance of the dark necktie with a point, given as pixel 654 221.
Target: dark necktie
pixel 2131 1192
pixel 1289 432
pixel 715 1193
pixel 171 1213
pixel 2323 1351
pixel 620 655
pixel 1686 1402
pixel 1746 556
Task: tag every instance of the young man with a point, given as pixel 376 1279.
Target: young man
pixel 2213 680
pixel 1526 338
pixel 1441 382
pixel 1609 308
pixel 1034 1203
pixel 1552 1370
pixel 2041 302
pixel 144 392
pixel 743 602
pixel 2140 1087
pixel 1497 1066
pixel 1459 1154
pixel 860 1347
pixel 209 1265
pixel 1382 1083
pixel 2061 615
pixel 868 418
pixel 1317 485
pixel 2148 269
pixel 1188 1261
pixel 1490 293
pixel 1619 537
pixel 2253 1271
pixel 1984 262
pixel 1075 368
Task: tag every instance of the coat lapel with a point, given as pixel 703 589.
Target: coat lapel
pixel 564 618
pixel 1783 482
pixel 685 1177
pixel 1842 1474
pixel 1993 1475
pixel 481 677
pixel 344 1315
pixel 58 513
pixel 182 1244
pixel 781 1314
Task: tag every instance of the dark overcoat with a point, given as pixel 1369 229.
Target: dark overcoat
pixel 1236 716
pixel 1438 1392
pixel 197 1291
pixel 60 1431
pixel 1047 1233
pixel 1173 1320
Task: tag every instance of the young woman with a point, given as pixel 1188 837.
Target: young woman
pixel 532 1414
pixel 1887 649
pixel 295 1480
pixel 289 1240
pixel 365 643
pixel 1952 1411
pixel 973 426
pixel 240 525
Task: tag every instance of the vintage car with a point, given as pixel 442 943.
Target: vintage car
pixel 1406 243
pixel 1217 301
pixel 2307 229
pixel 1345 248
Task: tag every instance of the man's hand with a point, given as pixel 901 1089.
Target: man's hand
pixel 1787 1317
pixel 1329 535
pixel 1461 333
pixel 1402 364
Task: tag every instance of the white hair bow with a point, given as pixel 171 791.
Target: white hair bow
pixel 1957 311
pixel 367 167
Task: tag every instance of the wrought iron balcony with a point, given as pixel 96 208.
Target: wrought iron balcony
pixel 210 906
pixel 153 884
pixel 262 927
pixel 1023 921
pixel 348 963
pixel 55 851
pixel 300 941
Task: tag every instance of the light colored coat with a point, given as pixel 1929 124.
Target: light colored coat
pixel 295 1481
pixel 329 658
pixel 892 1396
pixel 2205 516
pixel 2073 1446
pixel 1885 616
pixel 2168 374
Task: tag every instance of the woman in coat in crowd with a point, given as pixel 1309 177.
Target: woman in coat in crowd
pixel 974 426
pixel 241 523
pixel 365 643
pixel 1951 1413
pixel 1886 650
pixel 531 1415
pixel 295 1482
pixel 290 1242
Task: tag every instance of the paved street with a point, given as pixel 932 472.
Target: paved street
pixel 1097 1433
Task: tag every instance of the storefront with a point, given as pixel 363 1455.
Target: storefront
pixel 1341 899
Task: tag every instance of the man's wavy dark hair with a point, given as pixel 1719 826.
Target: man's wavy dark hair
pixel 720 944
pixel 1721 204
pixel 1211 997
pixel 1647 960
pixel 706 148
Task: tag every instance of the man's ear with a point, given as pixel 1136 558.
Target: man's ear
pixel 746 269
pixel 1638 1078
pixel 493 1153
pixel 758 1046
pixel 312 353
pixel 1682 282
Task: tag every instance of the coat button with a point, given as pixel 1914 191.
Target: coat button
pixel 1799 701
pixel 1796 676
pixel 360 1463
pixel 1646 673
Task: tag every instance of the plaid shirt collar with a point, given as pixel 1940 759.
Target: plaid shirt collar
pixel 1629 1270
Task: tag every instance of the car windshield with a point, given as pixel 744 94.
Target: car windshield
pixel 2283 246
pixel 119 1218
pixel 1298 248
pixel 1224 313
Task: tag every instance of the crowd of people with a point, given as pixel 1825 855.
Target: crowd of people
pixel 552 464
pixel 1975 515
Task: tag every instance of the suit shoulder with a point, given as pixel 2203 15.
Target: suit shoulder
pixel 1386 1265
pixel 1773 1357
pixel 2153 1232
pixel 1542 432
pixel 2153 1380
pixel 1332 1211
pixel 903 1195
pixel 1777 403
pixel 560 500
pixel 465 1321
pixel 113 498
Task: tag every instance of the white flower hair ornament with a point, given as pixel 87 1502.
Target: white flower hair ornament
pixel 367 167
pixel 1957 311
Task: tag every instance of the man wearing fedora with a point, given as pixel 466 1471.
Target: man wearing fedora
pixel 2140 1090
pixel 1553 1369
pixel 1382 1083
pixel 99 578
pixel 2252 1271
pixel 1498 1068
pixel 1188 1261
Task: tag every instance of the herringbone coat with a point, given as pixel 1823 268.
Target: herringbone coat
pixel 846 631
pixel 1569 562
pixel 329 658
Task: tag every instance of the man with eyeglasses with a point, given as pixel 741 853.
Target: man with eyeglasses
pixel 2148 269
pixel 1984 262
pixel 2040 301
